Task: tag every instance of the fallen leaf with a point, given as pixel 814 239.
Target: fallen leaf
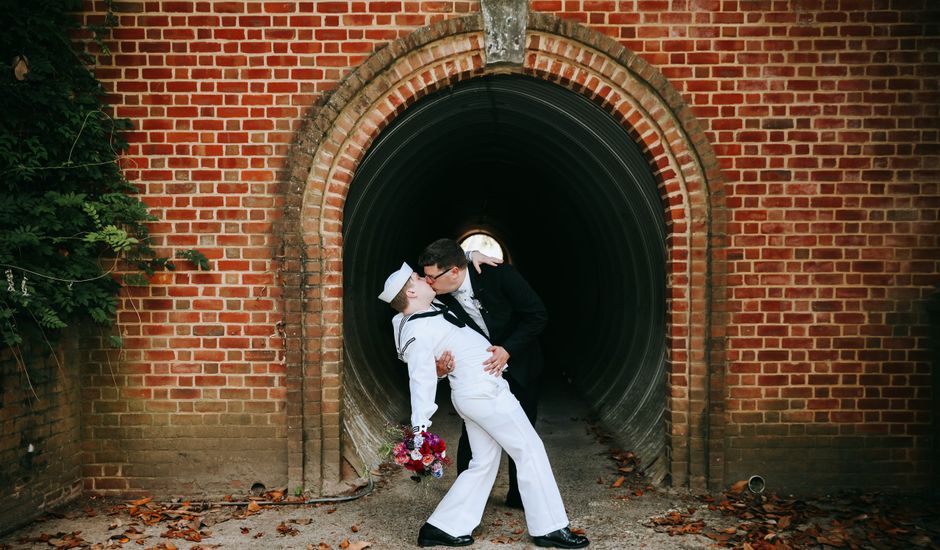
pixel 577 530
pixel 738 486
pixel 359 545
pixel 253 507
pixel 354 528
pixel 283 529
pixel 617 483
pixel 344 544
pixel 141 502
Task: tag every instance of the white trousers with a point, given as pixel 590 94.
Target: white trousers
pixel 496 421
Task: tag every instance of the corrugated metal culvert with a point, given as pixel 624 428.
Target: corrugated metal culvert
pixel 568 193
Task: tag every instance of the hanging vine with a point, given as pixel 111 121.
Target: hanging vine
pixel 68 217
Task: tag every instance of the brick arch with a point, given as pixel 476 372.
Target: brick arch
pixel 333 143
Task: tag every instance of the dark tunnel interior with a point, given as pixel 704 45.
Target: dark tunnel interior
pixel 568 193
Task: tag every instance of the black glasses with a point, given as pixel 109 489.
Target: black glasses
pixel 433 278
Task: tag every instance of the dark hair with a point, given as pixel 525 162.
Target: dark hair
pixel 400 301
pixel 444 253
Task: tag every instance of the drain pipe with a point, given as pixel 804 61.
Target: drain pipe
pixel 370 486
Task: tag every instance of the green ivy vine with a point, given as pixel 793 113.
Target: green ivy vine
pixel 72 231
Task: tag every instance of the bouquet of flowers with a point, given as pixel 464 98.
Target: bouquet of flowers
pixel 424 453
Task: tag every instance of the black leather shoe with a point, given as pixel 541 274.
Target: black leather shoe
pixel 514 501
pixel 432 536
pixel 562 538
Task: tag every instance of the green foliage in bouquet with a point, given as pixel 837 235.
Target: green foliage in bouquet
pixel 67 215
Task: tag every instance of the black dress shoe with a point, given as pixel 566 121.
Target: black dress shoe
pixel 562 538
pixel 432 536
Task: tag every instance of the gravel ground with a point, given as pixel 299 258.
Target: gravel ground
pixel 633 515
pixel 390 515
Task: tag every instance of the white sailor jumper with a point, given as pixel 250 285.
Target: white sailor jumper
pixel 494 421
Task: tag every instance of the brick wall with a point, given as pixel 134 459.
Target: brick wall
pixel 823 120
pixel 39 406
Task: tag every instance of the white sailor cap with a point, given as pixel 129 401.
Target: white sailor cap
pixel 395 282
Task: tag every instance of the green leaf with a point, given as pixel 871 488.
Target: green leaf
pixel 66 210
pixel 196 257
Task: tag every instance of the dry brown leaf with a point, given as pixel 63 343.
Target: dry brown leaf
pixel 519 531
pixel 359 545
pixel 354 528
pixel 783 522
pixel 738 486
pixel 253 507
pixel 577 530
pixel 617 483
pixel 344 544
pixel 283 529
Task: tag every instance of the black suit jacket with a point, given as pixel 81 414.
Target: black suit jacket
pixel 514 315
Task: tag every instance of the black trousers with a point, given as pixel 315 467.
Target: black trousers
pixel 528 397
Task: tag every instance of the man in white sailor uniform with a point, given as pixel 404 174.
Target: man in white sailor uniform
pixel 493 417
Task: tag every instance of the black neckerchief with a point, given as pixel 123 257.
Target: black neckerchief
pixel 449 316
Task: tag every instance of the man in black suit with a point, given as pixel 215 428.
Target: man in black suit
pixel 500 304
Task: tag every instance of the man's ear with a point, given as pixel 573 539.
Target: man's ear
pixel 411 292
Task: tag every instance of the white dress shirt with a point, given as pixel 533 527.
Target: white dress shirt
pixel 464 296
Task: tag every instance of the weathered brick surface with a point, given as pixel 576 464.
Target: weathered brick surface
pixel 39 406
pixel 801 251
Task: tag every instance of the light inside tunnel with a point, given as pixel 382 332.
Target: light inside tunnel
pixel 564 187
pixel 482 242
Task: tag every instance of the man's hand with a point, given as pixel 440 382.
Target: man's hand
pixel 444 364
pixel 480 258
pixel 496 364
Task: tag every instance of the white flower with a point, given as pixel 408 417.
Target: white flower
pixel 416 455
pixel 419 440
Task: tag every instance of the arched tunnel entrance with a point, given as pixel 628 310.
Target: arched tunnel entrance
pixel 568 193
